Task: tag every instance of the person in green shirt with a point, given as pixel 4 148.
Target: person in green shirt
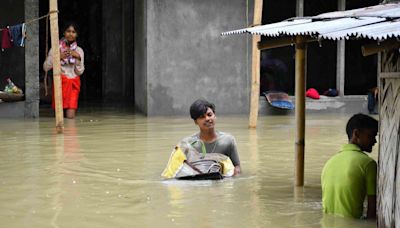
pixel 350 175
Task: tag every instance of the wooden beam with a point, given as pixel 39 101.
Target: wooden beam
pixel 374 48
pixel 275 43
pixel 56 66
pixel 280 42
pixel 391 75
pixel 300 91
pixel 255 68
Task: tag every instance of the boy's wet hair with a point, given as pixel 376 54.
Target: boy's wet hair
pixel 360 121
pixel 199 108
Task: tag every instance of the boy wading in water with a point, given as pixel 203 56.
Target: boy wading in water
pixel 350 175
pixel 203 114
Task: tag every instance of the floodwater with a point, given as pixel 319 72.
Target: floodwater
pixel 104 171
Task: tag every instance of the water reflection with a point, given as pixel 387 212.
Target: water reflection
pixel 67 168
pixel 104 171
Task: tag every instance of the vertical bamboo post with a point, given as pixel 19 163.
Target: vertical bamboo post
pixel 300 108
pixel 56 66
pixel 255 67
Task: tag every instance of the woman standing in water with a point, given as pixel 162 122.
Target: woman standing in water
pixel 72 66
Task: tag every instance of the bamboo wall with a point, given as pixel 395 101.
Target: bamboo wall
pixel 388 207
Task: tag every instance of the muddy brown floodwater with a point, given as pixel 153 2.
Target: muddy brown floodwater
pixel 104 171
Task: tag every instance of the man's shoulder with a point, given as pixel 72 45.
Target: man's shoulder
pixel 226 138
pixel 192 138
pixel 225 135
pixel 359 153
pixel 349 156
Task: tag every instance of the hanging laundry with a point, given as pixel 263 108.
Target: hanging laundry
pixel 23 35
pixel 5 39
pixel 18 33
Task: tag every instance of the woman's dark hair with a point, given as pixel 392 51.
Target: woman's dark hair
pixel 199 108
pixel 360 121
pixel 69 24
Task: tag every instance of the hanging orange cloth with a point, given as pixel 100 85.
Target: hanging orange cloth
pixel 70 92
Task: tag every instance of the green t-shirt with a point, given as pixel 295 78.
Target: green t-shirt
pixel 346 179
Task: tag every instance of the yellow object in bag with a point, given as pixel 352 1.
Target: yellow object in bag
pixel 185 162
pixel 228 168
pixel 175 163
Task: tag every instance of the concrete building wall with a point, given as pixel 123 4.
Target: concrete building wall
pixel 31 61
pixel 188 59
pixel 140 60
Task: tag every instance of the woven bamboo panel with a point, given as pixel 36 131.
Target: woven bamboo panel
pixel 390 61
pixel 388 173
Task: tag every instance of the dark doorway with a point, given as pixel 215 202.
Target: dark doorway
pixel 277 65
pixel 321 57
pixel 361 72
pixel 88 16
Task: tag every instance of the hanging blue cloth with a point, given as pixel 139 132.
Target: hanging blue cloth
pixel 18 35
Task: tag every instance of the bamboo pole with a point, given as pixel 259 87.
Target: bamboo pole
pixel 255 67
pixel 56 66
pixel 300 108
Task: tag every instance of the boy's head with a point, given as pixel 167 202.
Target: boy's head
pixel 203 114
pixel 361 130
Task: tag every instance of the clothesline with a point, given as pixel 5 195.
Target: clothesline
pixel 39 18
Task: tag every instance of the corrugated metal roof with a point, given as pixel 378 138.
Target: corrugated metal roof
pixel 391 10
pixel 377 22
pixel 378 31
pixel 258 29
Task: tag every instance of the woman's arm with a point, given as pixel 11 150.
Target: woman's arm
pixel 80 59
pixel 48 63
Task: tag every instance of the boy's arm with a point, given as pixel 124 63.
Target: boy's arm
pixel 237 170
pixel 235 157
